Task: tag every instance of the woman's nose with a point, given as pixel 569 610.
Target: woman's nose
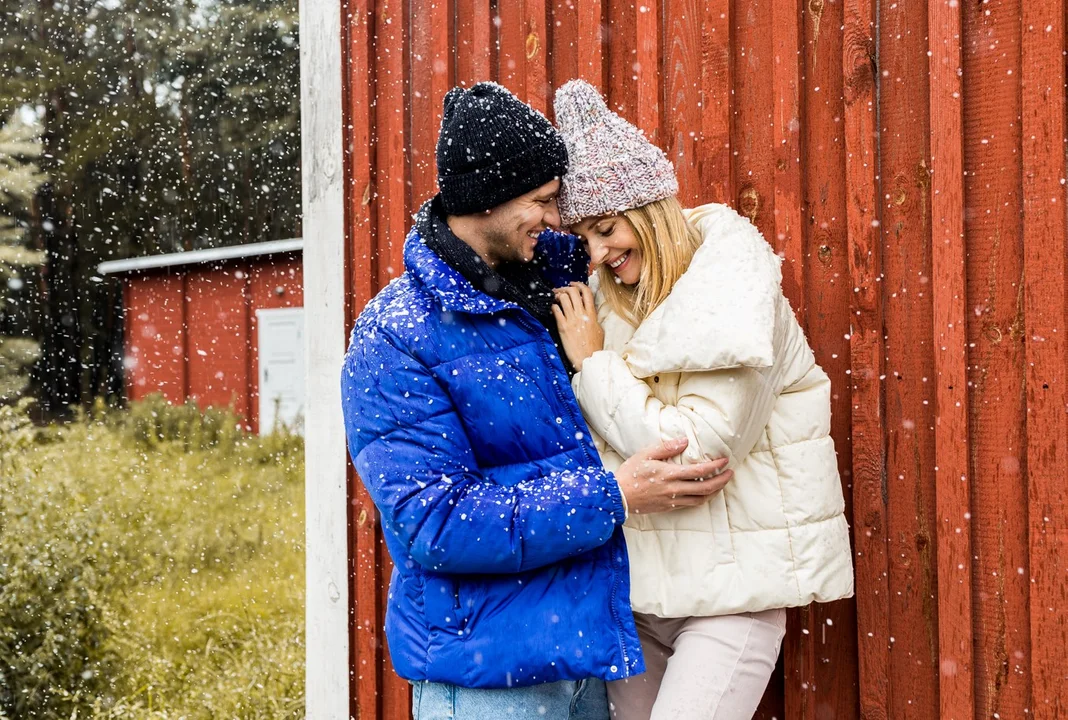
pixel 598 252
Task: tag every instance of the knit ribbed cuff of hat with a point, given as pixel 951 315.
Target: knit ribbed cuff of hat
pixel 487 188
pixel 609 188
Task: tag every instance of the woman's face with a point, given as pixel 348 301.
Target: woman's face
pixel 611 242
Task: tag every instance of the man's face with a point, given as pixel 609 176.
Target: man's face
pixel 512 228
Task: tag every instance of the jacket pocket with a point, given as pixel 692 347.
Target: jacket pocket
pixel 443 605
pixel 460 605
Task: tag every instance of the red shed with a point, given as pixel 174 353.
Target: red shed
pixel 222 326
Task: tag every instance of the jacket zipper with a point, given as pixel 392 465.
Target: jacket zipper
pixel 540 331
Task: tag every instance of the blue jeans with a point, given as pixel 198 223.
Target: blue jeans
pixel 563 700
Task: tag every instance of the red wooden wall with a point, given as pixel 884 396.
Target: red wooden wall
pixel 908 158
pixel 191 330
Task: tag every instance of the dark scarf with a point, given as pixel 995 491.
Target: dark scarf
pixel 515 282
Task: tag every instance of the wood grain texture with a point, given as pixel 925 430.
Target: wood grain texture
pixel 590 44
pixel 432 72
pixel 786 138
pixel 392 137
pixel 953 528
pixel 715 160
pixel 867 351
pixel 819 684
pixel 908 388
pixel 753 109
pixel 1044 244
pixel 996 402
pixel 475 45
pixel 681 78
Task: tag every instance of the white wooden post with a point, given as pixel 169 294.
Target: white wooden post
pixel 326 500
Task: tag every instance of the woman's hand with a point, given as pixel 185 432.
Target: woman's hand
pixel 576 318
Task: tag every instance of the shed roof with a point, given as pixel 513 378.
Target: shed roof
pixel 200 257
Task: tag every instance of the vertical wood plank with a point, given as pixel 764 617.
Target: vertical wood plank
pixel 431 77
pixel 647 68
pixel 786 72
pixel 396 692
pixel 996 362
pixel 908 389
pixel 590 44
pixel 821 649
pixel 752 138
pixel 536 42
pixel 474 41
pixel 326 490
pixel 866 358
pixel 392 137
pixel 368 640
pixel 511 43
pixel 361 284
pixel 358 103
pixel 953 478
pixel 622 57
pixel 394 123
pixel 184 304
pixel 564 50
pixel 682 91
pixel 717 91
pixel 1045 241
pixel 786 121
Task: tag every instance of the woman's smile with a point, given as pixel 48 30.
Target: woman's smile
pixel 619 262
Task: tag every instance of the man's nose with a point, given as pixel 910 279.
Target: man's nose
pixel 552 214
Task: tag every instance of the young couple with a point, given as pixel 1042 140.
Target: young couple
pixel 599 492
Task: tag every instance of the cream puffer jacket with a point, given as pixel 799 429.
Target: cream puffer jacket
pixel 723 362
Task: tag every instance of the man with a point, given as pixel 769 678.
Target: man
pixel 510 593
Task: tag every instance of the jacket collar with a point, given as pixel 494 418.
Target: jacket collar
pixel 722 312
pixel 446 283
pixel 561 255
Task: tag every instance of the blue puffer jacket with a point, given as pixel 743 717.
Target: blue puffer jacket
pixel 504 527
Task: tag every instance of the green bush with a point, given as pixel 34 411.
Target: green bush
pixel 151 566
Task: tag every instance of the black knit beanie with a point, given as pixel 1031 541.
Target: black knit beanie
pixel 493 147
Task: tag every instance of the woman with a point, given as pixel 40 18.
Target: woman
pixel 686 333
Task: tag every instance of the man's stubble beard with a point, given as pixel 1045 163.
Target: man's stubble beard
pixel 500 249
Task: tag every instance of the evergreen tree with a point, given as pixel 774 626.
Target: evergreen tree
pixel 166 125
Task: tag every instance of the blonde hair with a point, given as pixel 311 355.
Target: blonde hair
pixel 667 242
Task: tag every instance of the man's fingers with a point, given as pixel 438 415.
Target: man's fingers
pixel 666 450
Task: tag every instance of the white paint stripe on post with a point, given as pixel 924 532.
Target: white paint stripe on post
pixel 326 501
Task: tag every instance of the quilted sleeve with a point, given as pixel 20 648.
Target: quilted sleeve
pixel 413 456
pixel 721 412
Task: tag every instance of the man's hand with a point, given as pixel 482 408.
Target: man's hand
pixel 652 485
pixel 576 318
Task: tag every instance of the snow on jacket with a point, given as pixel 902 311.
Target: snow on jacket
pixel 723 362
pixel 505 529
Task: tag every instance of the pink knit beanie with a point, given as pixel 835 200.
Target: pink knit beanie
pixel 612 167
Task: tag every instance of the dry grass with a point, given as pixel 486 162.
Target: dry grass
pixel 151 566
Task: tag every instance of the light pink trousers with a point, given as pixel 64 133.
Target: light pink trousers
pixel 701 668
